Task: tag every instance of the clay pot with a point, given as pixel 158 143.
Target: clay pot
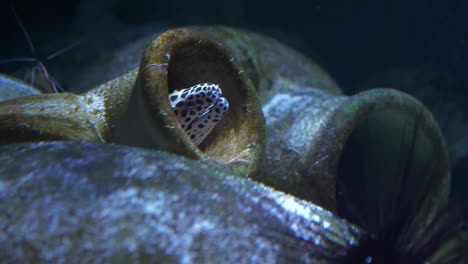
pixel 187 57
pixel 65 116
pixel 179 59
pixel 377 158
pixel 445 96
pixel 378 155
pixel 308 122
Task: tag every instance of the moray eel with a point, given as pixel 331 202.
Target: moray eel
pixel 198 109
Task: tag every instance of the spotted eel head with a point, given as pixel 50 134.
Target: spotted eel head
pixel 198 109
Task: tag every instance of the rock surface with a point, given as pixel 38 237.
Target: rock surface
pixel 67 202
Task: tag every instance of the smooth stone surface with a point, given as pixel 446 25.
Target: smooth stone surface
pixel 70 202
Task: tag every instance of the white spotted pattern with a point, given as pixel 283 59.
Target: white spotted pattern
pixel 198 109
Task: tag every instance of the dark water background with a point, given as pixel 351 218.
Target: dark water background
pixel 352 40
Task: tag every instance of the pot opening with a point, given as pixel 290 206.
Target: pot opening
pixel 196 61
pixel 389 165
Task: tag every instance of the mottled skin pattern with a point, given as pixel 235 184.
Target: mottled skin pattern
pixel 198 109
